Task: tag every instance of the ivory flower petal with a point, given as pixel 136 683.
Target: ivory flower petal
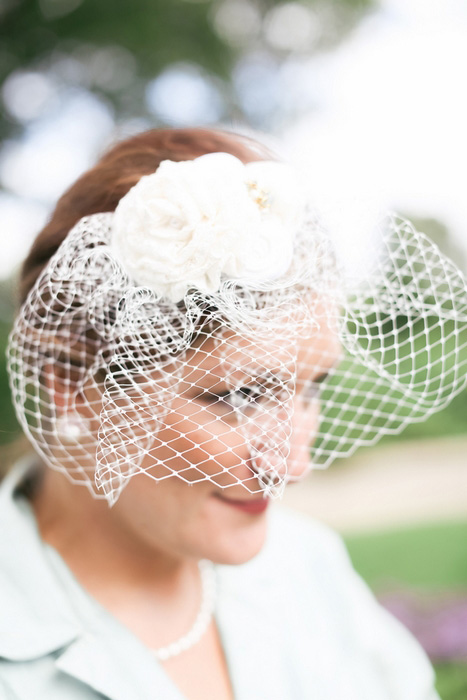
pixel 194 223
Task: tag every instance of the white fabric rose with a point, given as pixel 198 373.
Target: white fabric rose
pixel 194 223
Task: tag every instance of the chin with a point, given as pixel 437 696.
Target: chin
pixel 235 546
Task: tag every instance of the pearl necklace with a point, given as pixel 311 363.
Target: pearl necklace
pixel 200 625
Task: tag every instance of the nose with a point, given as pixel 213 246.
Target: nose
pixel 268 462
pixel 305 423
pixel 279 444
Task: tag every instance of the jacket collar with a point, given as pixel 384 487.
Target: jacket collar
pixel 37 620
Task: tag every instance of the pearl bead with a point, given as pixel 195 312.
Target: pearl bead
pixel 203 619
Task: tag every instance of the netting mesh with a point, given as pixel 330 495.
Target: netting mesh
pixel 250 384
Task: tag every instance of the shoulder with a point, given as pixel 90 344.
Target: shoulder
pixel 6 693
pixel 318 594
pixel 299 554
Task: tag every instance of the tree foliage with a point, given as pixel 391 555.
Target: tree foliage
pixel 154 34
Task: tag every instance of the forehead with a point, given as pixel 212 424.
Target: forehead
pixel 227 354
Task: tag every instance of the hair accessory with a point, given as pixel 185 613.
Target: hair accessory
pixel 205 331
pixel 193 222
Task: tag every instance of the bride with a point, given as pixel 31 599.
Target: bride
pixel 178 344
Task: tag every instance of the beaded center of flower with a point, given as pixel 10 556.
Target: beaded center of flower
pixel 260 196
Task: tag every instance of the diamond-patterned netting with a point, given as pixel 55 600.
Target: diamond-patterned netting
pixel 250 385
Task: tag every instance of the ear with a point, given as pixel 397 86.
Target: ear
pixel 60 382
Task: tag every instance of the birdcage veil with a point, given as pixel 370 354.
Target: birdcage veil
pixel 205 331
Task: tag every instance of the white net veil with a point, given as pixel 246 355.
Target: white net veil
pixel 250 363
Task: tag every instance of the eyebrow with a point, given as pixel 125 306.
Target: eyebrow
pixel 221 388
pixel 322 375
pixel 221 385
pixel 265 374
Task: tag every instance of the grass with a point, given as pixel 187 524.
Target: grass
pixel 451 681
pixel 428 558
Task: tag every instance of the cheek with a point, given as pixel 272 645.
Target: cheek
pixel 196 446
pixel 187 520
pixel 158 512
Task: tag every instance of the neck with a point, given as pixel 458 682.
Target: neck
pixel 95 544
pixel 150 591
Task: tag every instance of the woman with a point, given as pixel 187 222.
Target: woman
pixel 168 358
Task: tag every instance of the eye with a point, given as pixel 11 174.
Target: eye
pixel 243 397
pixel 249 396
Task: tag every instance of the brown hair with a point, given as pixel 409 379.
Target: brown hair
pixel 101 187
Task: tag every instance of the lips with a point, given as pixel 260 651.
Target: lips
pixel 253 507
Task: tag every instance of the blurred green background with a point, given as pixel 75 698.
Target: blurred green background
pixel 77 74
pixel 428 563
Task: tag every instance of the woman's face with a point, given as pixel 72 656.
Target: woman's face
pixel 242 418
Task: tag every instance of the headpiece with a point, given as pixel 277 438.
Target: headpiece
pixel 205 331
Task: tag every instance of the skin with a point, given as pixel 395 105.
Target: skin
pixel 139 558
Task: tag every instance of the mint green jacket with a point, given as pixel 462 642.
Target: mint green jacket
pixel 296 624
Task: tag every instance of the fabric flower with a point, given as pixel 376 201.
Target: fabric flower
pixel 194 223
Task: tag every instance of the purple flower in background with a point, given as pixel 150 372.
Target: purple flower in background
pixel 438 622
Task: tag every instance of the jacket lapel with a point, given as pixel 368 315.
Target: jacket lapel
pixel 101 662
pixel 37 619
